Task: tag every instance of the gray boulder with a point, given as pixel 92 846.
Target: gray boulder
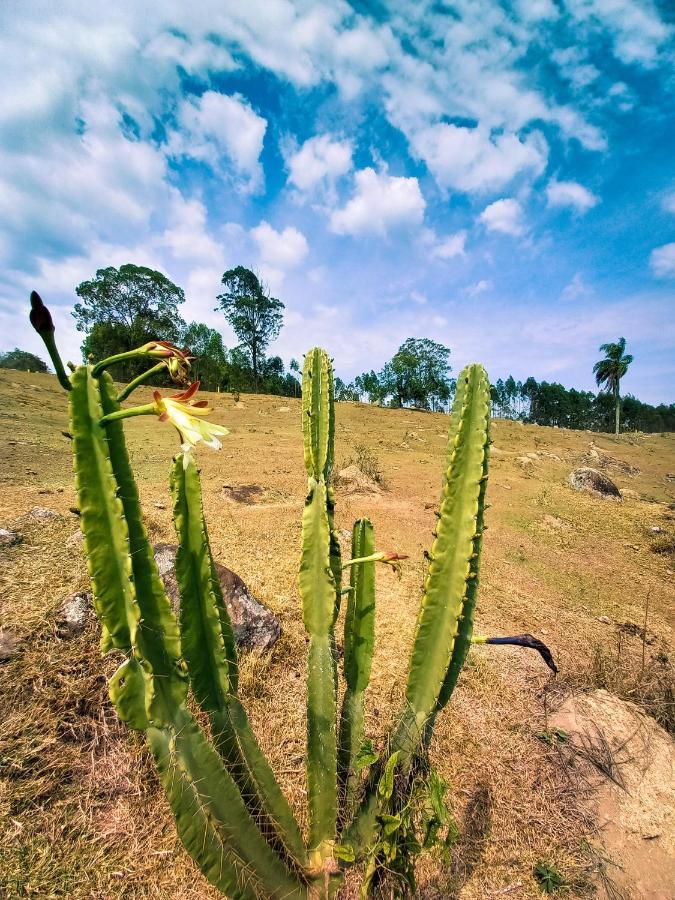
pixel 255 627
pixel 74 614
pixel 587 479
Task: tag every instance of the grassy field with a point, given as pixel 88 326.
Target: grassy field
pixel 80 810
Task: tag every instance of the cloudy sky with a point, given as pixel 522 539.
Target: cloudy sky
pixel 498 176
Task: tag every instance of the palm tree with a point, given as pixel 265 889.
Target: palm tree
pixel 610 370
pixel 295 367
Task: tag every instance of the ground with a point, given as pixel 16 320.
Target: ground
pixel 80 809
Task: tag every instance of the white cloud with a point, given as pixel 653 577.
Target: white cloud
pixel 669 202
pixel 280 249
pixel 572 194
pixel 662 261
pixel 450 246
pixel 380 203
pixel 480 287
pixel 216 128
pixel 576 288
pixel 470 159
pixel 635 26
pixel 320 158
pixel 504 216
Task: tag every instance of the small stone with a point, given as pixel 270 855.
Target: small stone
pixel 656 529
pixel 524 460
pixel 283 409
pixel 604 619
pixel 9 643
pixel 75 540
pixel 9 538
pixel 159 505
pixel 73 615
pixel 41 512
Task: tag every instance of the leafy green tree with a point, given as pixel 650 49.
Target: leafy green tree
pixel 255 316
pixel 210 356
pixel 609 372
pixel 22 360
pixel 295 368
pixel 121 309
pixel 417 374
pixel 369 384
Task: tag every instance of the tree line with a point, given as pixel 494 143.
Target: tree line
pixel 121 309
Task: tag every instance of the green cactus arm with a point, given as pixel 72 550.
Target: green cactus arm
pixel 318 424
pixel 462 644
pixel 106 537
pixel 212 821
pixel 359 640
pixel 210 652
pixel 158 636
pixel 317 589
pixel 208 640
pixel 450 567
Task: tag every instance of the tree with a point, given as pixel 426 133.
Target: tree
pixel 609 372
pixel 295 367
pixel 418 373
pixel 255 316
pixel 210 356
pixel 22 360
pixel 124 308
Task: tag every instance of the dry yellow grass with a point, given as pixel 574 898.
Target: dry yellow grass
pixel 80 809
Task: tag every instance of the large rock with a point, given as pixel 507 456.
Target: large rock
pixel 9 643
pixel 587 479
pixel 629 761
pixel 255 626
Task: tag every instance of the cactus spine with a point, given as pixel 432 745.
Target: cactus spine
pixel 230 813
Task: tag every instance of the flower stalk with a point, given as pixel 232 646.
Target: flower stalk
pixel 41 320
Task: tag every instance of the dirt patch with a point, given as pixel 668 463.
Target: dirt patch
pixel 244 493
pixel 352 480
pixel 631 761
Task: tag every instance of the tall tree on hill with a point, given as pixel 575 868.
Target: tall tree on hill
pixel 418 373
pixel 609 372
pixel 121 309
pixel 255 316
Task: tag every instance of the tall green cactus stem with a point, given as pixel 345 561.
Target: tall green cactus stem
pixel 318 591
pixel 359 641
pixel 210 651
pixel 453 564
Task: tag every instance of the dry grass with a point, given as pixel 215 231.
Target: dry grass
pixel 80 809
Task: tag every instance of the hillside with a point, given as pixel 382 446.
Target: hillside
pixel 84 818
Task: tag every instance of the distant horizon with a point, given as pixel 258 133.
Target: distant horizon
pixel 498 180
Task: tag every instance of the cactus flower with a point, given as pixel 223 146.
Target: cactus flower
pixel 186 417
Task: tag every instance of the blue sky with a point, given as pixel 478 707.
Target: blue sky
pixel 496 176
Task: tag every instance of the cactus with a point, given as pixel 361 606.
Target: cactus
pixel 230 812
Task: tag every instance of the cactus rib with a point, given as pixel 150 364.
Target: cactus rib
pixel 359 638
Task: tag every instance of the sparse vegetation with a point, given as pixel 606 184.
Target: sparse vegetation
pixel 367 461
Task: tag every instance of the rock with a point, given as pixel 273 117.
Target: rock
pixel 587 479
pixel 554 523
pixel 41 512
pixel 283 409
pixel 159 505
pixel 532 455
pixel 255 627
pixel 605 620
pixel 632 808
pixel 525 461
pixel 9 643
pixel 9 538
pixel 76 540
pixel 656 529
pixel 353 481
pixel 73 615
